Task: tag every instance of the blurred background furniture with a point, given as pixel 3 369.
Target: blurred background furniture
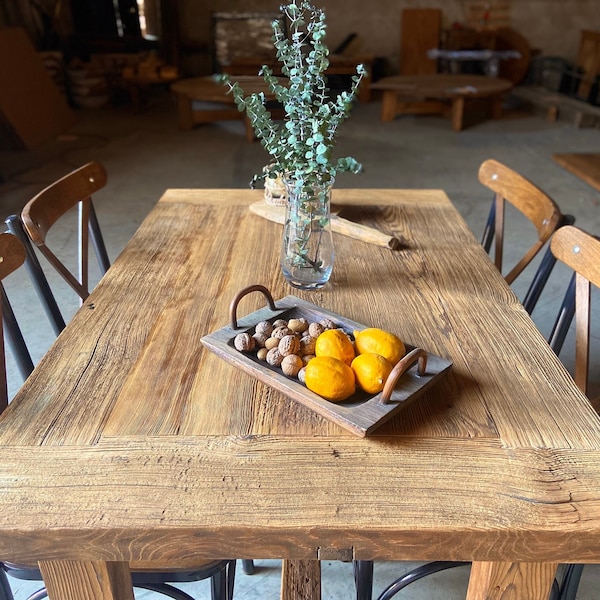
pixel 441 93
pixel 243 44
pixel 586 166
pixel 205 100
pixel 421 30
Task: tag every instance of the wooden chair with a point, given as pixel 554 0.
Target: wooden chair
pixel 14 252
pixel 581 252
pixel 537 207
pixel 52 203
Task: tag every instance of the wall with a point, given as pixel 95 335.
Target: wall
pixel 552 26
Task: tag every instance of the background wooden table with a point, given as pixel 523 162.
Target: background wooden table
pixel 582 165
pixel 131 443
pixel 430 94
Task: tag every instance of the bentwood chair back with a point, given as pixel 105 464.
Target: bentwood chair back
pixel 73 190
pixel 543 213
pixel 581 252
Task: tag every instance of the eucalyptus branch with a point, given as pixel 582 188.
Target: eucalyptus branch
pixel 304 144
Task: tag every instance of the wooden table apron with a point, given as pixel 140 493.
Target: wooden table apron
pixel 131 443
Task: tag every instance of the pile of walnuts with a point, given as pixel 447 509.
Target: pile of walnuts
pixel 285 344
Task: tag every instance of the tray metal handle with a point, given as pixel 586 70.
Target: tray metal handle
pixel 248 290
pixel 418 354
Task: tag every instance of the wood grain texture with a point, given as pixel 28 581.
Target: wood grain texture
pixel 543 213
pixel 586 166
pixel 105 581
pixel 296 575
pixel 507 580
pixel 360 414
pixel 131 442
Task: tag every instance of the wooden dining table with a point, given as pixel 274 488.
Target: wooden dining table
pixel 132 442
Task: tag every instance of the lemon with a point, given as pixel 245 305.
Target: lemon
pixel 335 343
pixel 378 341
pixel 330 378
pixel 371 371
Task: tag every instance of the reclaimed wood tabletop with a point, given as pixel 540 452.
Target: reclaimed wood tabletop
pixel 131 443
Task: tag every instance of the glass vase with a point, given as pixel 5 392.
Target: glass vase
pixel 307 246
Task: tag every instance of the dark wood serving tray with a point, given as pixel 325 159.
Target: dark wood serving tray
pixel 362 413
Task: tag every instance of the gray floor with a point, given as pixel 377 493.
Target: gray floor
pixel 145 154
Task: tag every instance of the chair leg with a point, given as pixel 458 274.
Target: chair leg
pixel 416 575
pixel 248 567
pixel 5 591
pixel 570 582
pixel 363 579
pixel 221 583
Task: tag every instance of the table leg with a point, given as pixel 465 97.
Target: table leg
pixel 458 110
pixel 301 580
pixel 517 581
pixel 185 112
pixel 87 580
pixel 496 106
pixel 364 90
pixel 388 105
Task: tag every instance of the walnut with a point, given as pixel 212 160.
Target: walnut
pixel 281 331
pixel 307 345
pixel 307 358
pixel 274 357
pixel 291 364
pixel 315 330
pixel 260 339
pixel 244 342
pixel 264 327
pixel 298 325
pixel 289 344
pixel 302 375
pixel 328 323
pixel 279 323
pixel 271 342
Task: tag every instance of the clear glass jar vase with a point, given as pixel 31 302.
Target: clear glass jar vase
pixel 307 247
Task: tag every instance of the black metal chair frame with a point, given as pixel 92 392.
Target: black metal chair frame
pixel 221 573
pixel 544 268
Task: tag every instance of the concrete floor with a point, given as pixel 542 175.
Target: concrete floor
pixel 145 153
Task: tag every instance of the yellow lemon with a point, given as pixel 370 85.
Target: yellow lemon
pixel 380 342
pixel 329 377
pixel 335 343
pixel 371 371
